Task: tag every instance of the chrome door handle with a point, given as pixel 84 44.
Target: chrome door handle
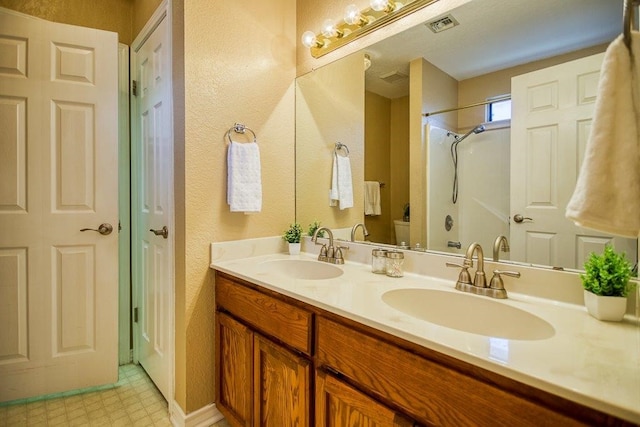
pixel 104 229
pixel 519 218
pixel 164 232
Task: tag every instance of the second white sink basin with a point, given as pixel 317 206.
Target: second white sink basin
pixel 469 313
pixel 302 269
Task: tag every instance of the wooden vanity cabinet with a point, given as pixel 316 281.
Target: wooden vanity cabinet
pixel 271 349
pixel 260 380
pixel 339 404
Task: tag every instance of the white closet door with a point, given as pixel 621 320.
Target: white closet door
pixel 552 114
pixel 58 139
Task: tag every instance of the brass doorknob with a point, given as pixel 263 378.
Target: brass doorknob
pixel 104 229
pixel 164 232
pixel 519 218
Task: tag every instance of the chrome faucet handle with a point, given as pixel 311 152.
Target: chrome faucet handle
pixel 322 256
pixel 496 280
pixel 464 278
pixel 496 286
pixel 339 259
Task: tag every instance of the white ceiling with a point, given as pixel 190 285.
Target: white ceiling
pixel 495 34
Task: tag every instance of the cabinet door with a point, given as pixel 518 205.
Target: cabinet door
pixel 234 356
pixel 281 386
pixel 340 405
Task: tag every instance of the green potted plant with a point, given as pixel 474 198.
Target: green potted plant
pixel 292 235
pixel 313 227
pixel 606 284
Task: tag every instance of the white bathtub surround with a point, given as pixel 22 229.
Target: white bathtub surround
pixel 575 363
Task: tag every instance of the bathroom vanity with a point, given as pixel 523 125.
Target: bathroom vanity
pixel 296 348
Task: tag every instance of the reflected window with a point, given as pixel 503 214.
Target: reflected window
pixel 499 110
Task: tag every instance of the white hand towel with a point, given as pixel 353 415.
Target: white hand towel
pixel 244 185
pixel 607 194
pixel 341 183
pixel 372 198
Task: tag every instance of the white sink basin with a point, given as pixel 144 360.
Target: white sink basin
pixel 302 269
pixel 469 313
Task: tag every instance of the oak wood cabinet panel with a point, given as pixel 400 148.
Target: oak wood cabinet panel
pixel 276 318
pixel 431 393
pixel 338 404
pixel 281 383
pixel 234 363
pixel 259 381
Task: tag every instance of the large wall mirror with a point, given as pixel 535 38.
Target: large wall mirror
pixel 448 176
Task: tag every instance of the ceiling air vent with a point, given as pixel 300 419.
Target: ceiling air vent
pixel 442 24
pixel 393 76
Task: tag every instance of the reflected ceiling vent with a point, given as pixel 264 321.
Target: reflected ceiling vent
pixel 442 24
pixel 393 76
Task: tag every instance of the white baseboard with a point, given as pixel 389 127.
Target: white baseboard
pixel 203 417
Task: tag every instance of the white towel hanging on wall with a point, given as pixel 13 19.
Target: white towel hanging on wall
pixel 244 184
pixel 341 192
pixel 607 194
pixel 372 198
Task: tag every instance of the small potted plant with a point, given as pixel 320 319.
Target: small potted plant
pixel 313 227
pixel 292 235
pixel 606 284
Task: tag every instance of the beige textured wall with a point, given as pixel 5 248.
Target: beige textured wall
pixel 399 159
pixel 141 12
pixel 329 109
pixel 242 72
pixel 377 165
pixel 110 15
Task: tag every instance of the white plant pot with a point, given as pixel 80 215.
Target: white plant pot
pixel 294 248
pixel 605 308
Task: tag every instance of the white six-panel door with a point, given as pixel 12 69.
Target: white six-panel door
pixel 58 163
pixel 152 179
pixel 552 114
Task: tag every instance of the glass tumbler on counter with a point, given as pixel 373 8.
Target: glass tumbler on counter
pixel 379 261
pixel 394 263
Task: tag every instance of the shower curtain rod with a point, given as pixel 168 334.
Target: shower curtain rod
pixel 477 104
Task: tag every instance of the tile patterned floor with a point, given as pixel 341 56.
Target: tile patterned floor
pixel 132 401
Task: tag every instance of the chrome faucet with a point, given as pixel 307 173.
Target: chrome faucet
pixel 479 280
pixel 365 232
pixel 329 253
pixel 479 284
pixel 501 243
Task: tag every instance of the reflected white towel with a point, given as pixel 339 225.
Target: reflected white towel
pixel 607 194
pixel 244 185
pixel 372 198
pixel 341 183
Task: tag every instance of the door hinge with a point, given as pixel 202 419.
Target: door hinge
pixel 135 315
pixel 134 87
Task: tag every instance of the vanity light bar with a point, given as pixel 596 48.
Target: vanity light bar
pixel 358 23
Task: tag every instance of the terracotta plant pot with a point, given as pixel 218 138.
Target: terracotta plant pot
pixel 605 308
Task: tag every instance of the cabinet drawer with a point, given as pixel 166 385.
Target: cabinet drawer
pixel 285 322
pixel 428 391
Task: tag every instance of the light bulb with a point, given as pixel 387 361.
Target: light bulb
pixel 309 39
pixel 352 15
pixel 328 28
pixel 379 4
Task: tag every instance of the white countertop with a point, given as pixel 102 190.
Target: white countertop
pixel 588 361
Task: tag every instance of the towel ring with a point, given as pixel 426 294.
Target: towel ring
pixel 339 146
pixel 240 128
